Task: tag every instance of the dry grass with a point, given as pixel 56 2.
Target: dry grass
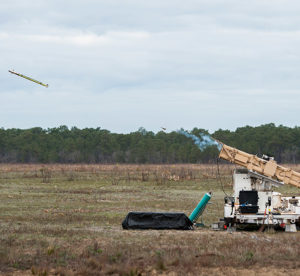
pixel 66 220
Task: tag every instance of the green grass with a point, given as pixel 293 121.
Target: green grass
pixel 70 223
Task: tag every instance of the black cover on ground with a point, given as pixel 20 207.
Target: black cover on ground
pixel 149 220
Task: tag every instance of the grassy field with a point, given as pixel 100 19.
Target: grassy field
pixel 66 220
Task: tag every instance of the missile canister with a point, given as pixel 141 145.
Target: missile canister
pixel 200 207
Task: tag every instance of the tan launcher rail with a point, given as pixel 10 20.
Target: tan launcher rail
pixel 267 168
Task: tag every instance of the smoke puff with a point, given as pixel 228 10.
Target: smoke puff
pixel 203 141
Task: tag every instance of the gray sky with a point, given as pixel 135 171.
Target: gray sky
pixel 120 64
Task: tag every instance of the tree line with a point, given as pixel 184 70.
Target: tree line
pixel 96 145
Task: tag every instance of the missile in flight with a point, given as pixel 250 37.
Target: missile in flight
pixel 28 78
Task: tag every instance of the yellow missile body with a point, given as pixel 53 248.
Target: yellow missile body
pixel 28 78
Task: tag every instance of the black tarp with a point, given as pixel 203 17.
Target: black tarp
pixel 150 220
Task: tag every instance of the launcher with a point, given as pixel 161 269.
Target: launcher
pixel 265 166
pixel 254 201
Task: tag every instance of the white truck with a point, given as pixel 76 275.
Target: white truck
pixel 254 203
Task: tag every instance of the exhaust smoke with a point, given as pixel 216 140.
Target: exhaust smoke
pixel 203 141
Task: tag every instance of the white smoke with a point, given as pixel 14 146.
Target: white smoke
pixel 203 141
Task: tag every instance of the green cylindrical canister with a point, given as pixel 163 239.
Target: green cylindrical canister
pixel 200 207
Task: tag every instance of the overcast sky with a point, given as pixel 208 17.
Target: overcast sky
pixel 120 65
